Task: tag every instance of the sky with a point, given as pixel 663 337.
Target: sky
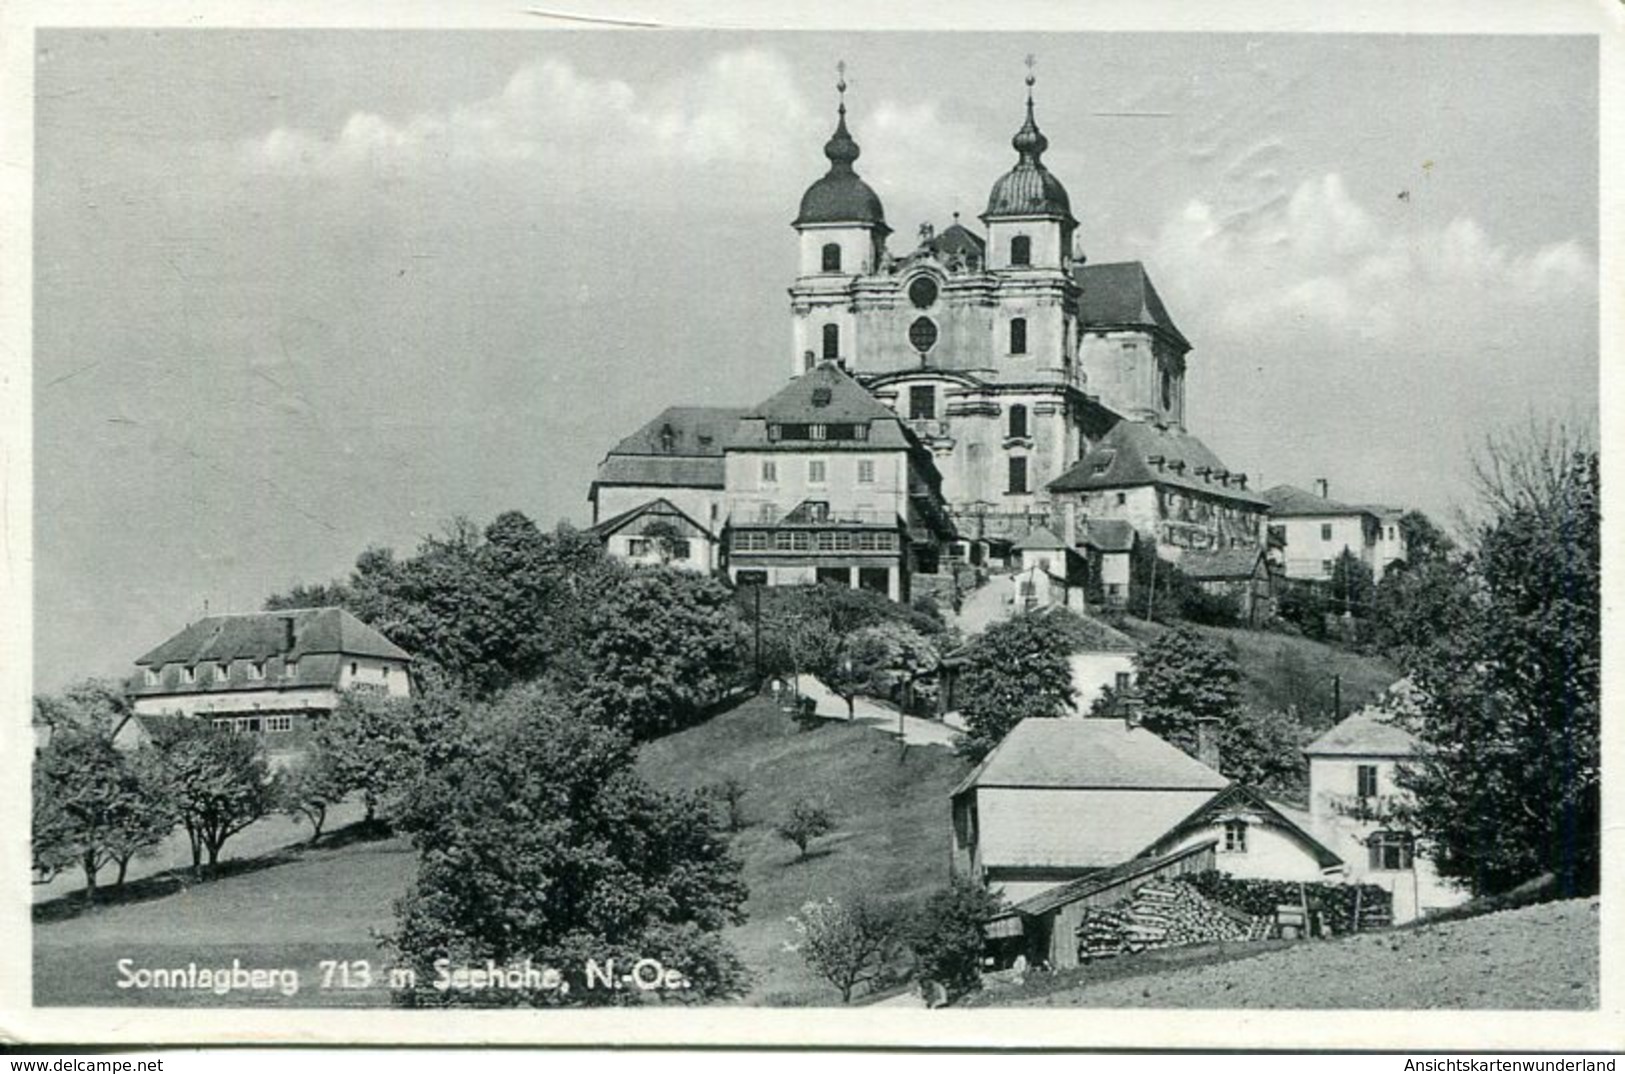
pixel 298 293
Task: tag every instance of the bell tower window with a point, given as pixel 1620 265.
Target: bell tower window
pixel 1021 250
pixel 832 257
pixel 1018 336
pixel 1018 421
pixel 1018 475
pixel 832 342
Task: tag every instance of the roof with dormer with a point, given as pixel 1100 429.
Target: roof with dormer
pixel 825 395
pixel 1140 453
pixel 1119 294
pixel 680 448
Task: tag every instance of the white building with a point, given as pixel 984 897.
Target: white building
pixel 1352 788
pixel 1310 530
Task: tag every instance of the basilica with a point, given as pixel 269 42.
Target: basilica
pixel 949 401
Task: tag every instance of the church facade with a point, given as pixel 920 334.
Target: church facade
pixel 1007 364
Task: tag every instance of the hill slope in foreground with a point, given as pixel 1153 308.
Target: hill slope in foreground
pixel 1536 958
pixel 890 806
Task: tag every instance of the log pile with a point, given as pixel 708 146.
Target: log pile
pixel 1161 914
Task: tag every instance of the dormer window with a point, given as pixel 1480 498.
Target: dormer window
pixel 222 671
pixel 668 439
pixel 832 342
pixel 1018 335
pixel 154 676
pixel 188 674
pixel 832 257
pixel 256 669
pixel 1021 251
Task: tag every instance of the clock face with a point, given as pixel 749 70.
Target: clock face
pixel 923 334
pixel 922 292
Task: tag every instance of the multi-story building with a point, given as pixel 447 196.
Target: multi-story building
pixel 1310 530
pixel 824 484
pixel 272 674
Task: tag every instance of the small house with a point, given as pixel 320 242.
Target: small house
pixel 659 533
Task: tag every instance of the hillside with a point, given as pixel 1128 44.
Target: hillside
pixel 1541 957
pixel 1281 671
pixel 892 828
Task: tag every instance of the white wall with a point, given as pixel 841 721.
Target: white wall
pixel 1272 852
pixel 225 702
pixel 704 506
pixel 1075 828
pixel 1307 552
pixel 882 501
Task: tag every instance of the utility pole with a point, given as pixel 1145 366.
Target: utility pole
pixel 1151 590
pixel 758 657
pixel 1337 698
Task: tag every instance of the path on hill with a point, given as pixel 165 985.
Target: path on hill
pixel 916 732
pixel 1534 958
pixel 984 606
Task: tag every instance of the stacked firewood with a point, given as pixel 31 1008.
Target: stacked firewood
pixel 1162 914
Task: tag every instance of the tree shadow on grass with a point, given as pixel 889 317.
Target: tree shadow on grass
pixel 811 855
pixel 173 881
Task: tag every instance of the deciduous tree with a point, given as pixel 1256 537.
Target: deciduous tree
pixel 1019 668
pixel 946 935
pixel 1183 678
pixel 218 782
pixel 848 943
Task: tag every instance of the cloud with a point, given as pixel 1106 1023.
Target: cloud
pixel 742 106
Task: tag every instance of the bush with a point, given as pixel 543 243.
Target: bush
pixel 946 935
pixel 730 798
pixel 806 821
pixel 848 943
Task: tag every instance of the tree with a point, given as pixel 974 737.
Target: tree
pixel 1425 542
pixel 310 787
pixel 1019 668
pixel 848 943
pixel 1506 784
pixel 537 839
pixel 878 658
pixel 319 595
pixel 946 935
pixel 663 644
pixel 1304 605
pixel 93 806
pixel 1264 748
pixel 1416 604
pixel 1351 586
pixel 1182 678
pixel 97 707
pixel 218 781
pixel 668 540
pixel 368 744
pixel 730 795
pixel 805 821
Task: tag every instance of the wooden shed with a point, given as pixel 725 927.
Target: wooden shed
pixel 1047 923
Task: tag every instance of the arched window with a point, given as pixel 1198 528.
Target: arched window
pixel 832 257
pixel 1018 420
pixel 1018 335
pixel 1021 250
pixel 832 342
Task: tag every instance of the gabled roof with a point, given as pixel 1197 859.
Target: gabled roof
pixel 1288 501
pixel 1366 733
pixel 956 238
pixel 683 430
pixel 656 471
pixel 1121 460
pixel 1089 753
pixel 1240 796
pixel 262 635
pixel 1108 534
pixel 1102 880
pixel 1221 564
pixel 1120 295
pixel 1089 635
pixel 824 395
pixel 1039 538
pixel 658 507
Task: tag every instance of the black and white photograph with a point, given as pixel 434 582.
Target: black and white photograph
pixel 942 528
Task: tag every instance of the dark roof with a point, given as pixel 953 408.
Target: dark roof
pixel 1242 796
pixel 681 471
pixel 1221 564
pixel 1039 538
pixel 1103 880
pixel 1120 295
pixel 262 635
pixel 1108 534
pixel 1029 189
pixel 1367 733
pixel 683 430
pixel 957 239
pixel 1288 501
pixel 657 507
pixel 823 395
pixel 1086 752
pixel 1089 635
pixel 840 197
pixel 1121 459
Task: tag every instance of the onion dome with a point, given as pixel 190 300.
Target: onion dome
pixel 840 197
pixel 1029 189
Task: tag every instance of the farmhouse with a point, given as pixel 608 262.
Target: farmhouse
pixel 1060 799
pixel 264 673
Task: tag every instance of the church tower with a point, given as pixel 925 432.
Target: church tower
pixel 842 227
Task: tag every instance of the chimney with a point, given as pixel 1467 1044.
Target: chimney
pixel 1207 741
pixel 1322 489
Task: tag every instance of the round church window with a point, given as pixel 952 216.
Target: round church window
pixel 923 334
pixel 922 292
